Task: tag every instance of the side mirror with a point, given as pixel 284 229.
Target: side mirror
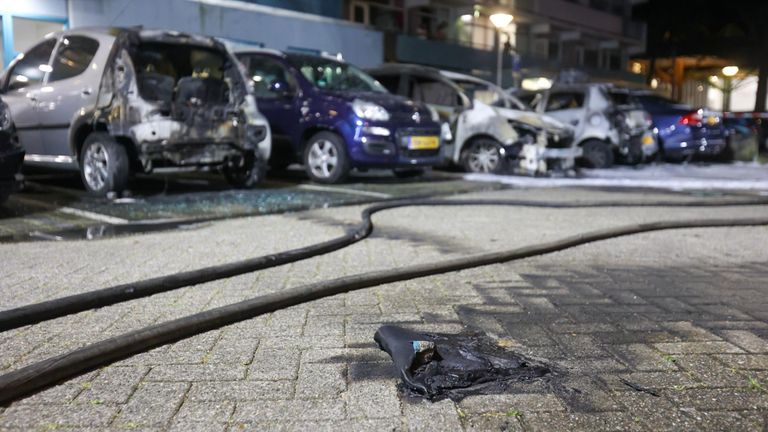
pixel 281 89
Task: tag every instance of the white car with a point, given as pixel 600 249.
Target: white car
pixel 604 129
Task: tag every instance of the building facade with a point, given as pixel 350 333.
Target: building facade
pixel 545 37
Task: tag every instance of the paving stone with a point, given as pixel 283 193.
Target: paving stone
pixel 500 422
pixel 204 412
pixel 195 372
pixel 504 403
pixel 152 404
pixel 373 399
pixel 274 364
pixel 705 347
pixel 321 381
pixel 52 416
pixel 240 390
pixel 289 410
pixel 746 340
pixel 545 422
pixel 428 416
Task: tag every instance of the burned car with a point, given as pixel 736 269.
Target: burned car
pixel 474 135
pixel 116 101
pixel 547 143
pixel 11 155
pixel 604 129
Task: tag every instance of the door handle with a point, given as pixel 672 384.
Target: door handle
pixel 86 92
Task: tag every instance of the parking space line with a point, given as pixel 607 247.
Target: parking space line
pixel 93 216
pixel 344 190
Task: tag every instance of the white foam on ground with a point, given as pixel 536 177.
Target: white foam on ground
pixel 737 176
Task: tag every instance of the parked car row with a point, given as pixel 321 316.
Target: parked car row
pixel 112 102
pixel 631 126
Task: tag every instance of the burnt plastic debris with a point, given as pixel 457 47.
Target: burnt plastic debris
pixel 439 366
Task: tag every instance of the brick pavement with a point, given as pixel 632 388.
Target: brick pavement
pixel 681 313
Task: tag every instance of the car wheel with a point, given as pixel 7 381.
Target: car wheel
pixel 248 175
pixel 325 158
pixel 482 156
pixel 597 154
pixel 634 154
pixel 408 173
pixel 104 164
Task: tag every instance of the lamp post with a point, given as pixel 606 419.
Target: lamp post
pixel 728 73
pixel 500 21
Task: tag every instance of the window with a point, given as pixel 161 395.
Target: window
pixel 390 82
pixel 73 57
pixel 564 101
pixel 332 75
pixel 32 67
pixel 433 92
pixel 263 72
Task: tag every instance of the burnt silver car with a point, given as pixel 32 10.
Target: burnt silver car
pixel 115 101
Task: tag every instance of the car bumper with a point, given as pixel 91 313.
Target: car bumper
pixel 702 146
pixel 393 150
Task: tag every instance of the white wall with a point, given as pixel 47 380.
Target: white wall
pixel 275 28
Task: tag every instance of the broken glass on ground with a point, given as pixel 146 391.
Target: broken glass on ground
pixel 439 366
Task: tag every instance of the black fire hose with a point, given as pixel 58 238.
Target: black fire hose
pixel 56 308
pixel 46 373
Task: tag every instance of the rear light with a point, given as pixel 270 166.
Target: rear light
pixel 691 119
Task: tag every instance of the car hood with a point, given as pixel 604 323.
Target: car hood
pixel 540 121
pixel 392 103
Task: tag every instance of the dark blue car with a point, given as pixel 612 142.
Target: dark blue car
pixel 333 117
pixel 684 132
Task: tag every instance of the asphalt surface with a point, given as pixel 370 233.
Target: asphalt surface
pixel 54 205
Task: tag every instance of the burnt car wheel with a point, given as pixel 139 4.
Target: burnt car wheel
pixel 597 154
pixel 482 156
pixel 325 158
pixel 250 173
pixel 104 164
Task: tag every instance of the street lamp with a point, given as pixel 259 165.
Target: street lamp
pixel 728 72
pixel 500 21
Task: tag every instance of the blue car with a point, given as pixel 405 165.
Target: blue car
pixel 684 132
pixel 333 117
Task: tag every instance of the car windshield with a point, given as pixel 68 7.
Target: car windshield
pixel 328 74
pixel 489 95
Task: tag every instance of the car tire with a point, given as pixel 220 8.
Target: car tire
pixel 325 158
pixel 249 175
pixel 597 154
pixel 634 155
pixel 104 164
pixel 409 173
pixel 482 156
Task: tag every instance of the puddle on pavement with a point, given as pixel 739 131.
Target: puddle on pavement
pixel 438 366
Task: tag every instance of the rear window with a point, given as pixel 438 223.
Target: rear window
pixel 655 101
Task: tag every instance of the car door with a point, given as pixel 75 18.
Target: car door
pixel 71 85
pixel 276 91
pixel 21 88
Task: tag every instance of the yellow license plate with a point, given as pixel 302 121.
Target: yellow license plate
pixel 423 143
pixel 711 120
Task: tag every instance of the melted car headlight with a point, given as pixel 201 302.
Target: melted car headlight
pixel 369 110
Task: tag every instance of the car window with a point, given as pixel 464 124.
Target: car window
pixel 565 100
pixel 621 98
pixel 263 72
pixel 432 91
pixel 658 102
pixel 328 74
pixel 390 82
pixel 480 92
pixel 32 67
pixel 73 57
